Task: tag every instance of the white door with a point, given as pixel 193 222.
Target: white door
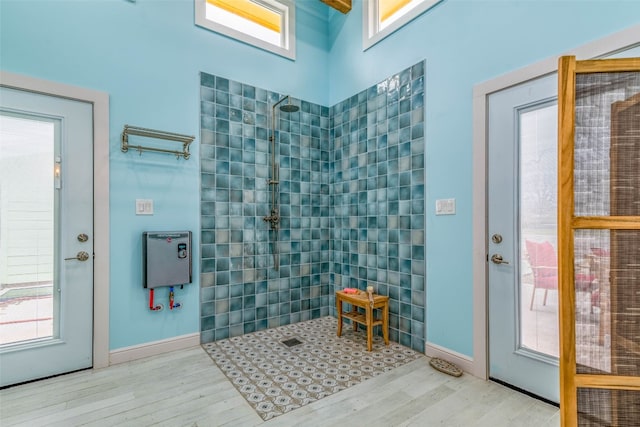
pixel 522 188
pixel 46 235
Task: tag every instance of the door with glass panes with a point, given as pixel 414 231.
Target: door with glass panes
pixel 523 281
pixel 46 235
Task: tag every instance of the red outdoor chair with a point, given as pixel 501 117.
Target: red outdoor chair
pixel 544 264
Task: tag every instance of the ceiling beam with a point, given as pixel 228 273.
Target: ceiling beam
pixel 343 6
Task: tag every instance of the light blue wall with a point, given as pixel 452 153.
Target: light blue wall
pixel 148 55
pixel 464 43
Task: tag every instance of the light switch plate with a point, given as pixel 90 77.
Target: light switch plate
pixel 144 207
pixel 446 207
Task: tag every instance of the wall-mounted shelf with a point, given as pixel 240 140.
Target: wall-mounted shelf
pixel 157 134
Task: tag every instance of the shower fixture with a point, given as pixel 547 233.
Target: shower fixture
pixel 289 107
pixel 274 216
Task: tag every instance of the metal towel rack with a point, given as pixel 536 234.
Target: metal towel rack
pixel 151 133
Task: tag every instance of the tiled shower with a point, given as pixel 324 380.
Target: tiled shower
pixel 351 201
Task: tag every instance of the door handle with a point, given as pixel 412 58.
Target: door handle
pixel 497 259
pixel 80 256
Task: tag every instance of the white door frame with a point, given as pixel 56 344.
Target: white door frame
pixel 622 40
pixel 100 102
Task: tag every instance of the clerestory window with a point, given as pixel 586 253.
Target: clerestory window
pixel 382 17
pixel 267 24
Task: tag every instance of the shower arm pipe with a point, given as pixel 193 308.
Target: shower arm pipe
pixel 276 251
pixel 275 175
pixel 274 178
pixel 274 217
pixel 284 98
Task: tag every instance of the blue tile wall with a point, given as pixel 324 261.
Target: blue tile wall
pixel 378 185
pixel 240 290
pixel 351 199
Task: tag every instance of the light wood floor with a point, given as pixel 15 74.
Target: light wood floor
pixel 185 388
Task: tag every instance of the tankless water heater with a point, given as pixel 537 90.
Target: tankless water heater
pixel 166 258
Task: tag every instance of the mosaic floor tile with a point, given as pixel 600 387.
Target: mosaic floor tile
pixel 276 379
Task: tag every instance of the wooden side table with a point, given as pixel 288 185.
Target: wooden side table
pixel 367 319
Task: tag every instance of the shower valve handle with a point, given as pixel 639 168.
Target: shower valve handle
pixel 273 219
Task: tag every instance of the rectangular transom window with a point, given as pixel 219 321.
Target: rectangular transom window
pixel 267 24
pixel 383 17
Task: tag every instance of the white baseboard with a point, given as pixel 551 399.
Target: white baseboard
pixel 127 354
pixel 462 361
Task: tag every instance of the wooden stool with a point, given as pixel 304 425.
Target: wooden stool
pixel 361 300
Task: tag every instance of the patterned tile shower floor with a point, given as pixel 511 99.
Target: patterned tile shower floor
pixel 276 379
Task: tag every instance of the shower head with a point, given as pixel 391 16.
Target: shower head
pixel 289 108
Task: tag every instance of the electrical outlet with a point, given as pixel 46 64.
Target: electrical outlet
pixel 144 207
pixel 446 207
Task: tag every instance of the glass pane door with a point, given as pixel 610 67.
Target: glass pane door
pixel 523 274
pixel 27 300
pixel 46 205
